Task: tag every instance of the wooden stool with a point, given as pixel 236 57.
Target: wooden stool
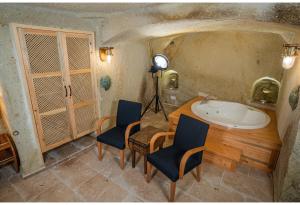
pixel 140 142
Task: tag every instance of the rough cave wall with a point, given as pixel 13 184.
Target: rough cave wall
pixel 287 172
pixel 223 64
pixel 127 69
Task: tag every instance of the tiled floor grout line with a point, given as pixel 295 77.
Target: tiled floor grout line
pixel 31 198
pixel 69 186
pixel 234 190
pixel 16 189
pixel 73 155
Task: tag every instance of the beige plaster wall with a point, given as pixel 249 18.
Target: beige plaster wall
pixel 127 70
pixel 223 64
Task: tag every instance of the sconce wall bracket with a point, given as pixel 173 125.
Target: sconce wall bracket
pixel 104 52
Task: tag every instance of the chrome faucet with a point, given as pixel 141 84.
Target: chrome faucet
pixel 206 99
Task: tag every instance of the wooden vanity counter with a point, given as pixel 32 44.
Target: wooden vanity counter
pixel 226 147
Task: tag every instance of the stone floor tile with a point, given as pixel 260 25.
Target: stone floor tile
pixel 187 181
pixel 243 169
pixel 113 193
pixel 8 193
pixel 109 166
pixel 133 181
pixel 206 192
pixel 248 185
pixel 92 189
pixel 7 172
pixel 211 173
pixel 74 172
pixel 182 196
pixel 85 142
pixel 64 151
pixel 34 185
pixel 132 198
pixel 250 199
pixel 259 174
pixel 50 160
pixel 100 188
pixel 57 193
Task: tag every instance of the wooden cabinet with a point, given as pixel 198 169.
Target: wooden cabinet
pixel 58 66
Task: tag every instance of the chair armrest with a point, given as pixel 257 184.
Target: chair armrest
pixel 186 156
pixel 128 129
pixel 156 137
pixel 101 121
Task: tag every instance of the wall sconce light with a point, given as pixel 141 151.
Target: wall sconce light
pixel 106 54
pixel 289 55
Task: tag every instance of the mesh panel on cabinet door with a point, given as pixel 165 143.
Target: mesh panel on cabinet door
pixel 50 93
pixel 55 127
pixel 43 53
pixel 78 53
pixel 81 87
pixel 85 118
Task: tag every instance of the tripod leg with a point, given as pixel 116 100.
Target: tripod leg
pixel 162 107
pixel 147 107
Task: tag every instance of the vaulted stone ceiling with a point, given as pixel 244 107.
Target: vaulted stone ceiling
pixel 274 12
pixel 94 7
pixel 133 21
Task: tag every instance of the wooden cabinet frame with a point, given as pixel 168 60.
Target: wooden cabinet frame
pixel 17 30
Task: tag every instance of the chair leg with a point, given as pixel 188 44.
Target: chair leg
pixel 122 153
pixel 99 145
pixel 172 191
pixel 198 174
pixel 149 170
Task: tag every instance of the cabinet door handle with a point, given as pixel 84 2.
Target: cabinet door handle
pixel 66 91
pixel 70 90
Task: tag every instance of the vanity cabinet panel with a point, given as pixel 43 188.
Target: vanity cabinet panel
pixel 59 75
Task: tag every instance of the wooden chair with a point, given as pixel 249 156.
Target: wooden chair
pixel 127 123
pixel 184 155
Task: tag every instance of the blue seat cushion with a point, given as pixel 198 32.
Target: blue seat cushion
pixel 114 137
pixel 167 160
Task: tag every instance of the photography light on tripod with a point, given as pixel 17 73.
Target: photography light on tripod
pixel 160 63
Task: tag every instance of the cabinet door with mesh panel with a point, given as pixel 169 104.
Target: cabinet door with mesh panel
pixel 79 55
pixel 43 68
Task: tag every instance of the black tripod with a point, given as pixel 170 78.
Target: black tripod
pixel 157 102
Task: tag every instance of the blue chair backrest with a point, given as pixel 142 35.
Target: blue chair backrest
pixel 128 112
pixel 190 133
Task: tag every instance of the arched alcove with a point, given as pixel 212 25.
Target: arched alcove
pixel 170 85
pixel 265 90
pixel 170 80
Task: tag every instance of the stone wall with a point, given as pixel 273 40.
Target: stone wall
pixel 221 63
pixel 287 173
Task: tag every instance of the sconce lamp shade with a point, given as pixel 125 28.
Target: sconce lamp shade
pixel 288 62
pixel 105 54
pixel 289 55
